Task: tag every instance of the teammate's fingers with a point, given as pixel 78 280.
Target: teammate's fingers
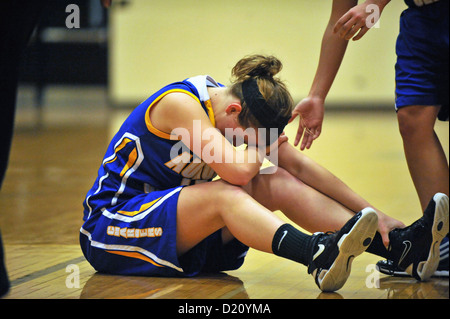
pixel 313 137
pixel 354 29
pixel 299 134
pixel 347 27
pixel 341 22
pixel 361 33
pixel 317 132
pixel 306 142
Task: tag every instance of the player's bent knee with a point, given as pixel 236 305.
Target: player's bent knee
pixel 276 173
pixel 224 193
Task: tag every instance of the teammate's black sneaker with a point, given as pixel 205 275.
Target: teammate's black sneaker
pixel 415 249
pixel 333 254
pixel 388 267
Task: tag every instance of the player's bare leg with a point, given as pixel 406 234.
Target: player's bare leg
pixel 205 208
pixel 310 193
pixel 277 189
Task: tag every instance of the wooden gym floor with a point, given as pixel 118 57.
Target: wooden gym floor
pixel 54 160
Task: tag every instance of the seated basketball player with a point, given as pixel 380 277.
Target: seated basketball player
pixel 155 210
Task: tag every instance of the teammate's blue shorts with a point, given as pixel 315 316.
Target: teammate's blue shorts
pixel 139 238
pixel 422 68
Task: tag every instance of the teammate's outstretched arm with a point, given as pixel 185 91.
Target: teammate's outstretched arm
pixel 347 20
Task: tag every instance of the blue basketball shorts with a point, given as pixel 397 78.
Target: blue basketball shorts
pixel 139 238
pixel 422 68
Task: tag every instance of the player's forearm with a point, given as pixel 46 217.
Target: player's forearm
pixel 239 167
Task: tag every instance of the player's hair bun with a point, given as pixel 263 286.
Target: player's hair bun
pixel 261 70
pixel 256 66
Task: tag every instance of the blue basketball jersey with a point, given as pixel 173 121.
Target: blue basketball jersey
pixel 130 213
pixel 139 160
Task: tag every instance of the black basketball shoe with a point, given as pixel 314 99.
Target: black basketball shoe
pixel 416 248
pixel 333 253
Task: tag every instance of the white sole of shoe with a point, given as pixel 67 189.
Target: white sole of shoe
pixel 426 269
pixel 351 245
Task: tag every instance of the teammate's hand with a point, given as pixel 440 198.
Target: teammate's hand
pixel 311 112
pixel 358 20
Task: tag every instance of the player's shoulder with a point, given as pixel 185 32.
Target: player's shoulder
pixel 175 110
pixel 179 102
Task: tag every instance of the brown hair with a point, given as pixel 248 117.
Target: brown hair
pixel 263 69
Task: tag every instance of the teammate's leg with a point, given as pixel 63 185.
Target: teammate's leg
pixel 425 156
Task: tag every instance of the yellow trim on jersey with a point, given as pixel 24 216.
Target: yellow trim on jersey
pixel 210 112
pixel 165 135
pixel 131 160
pixel 141 209
pixel 124 142
pixel 134 255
